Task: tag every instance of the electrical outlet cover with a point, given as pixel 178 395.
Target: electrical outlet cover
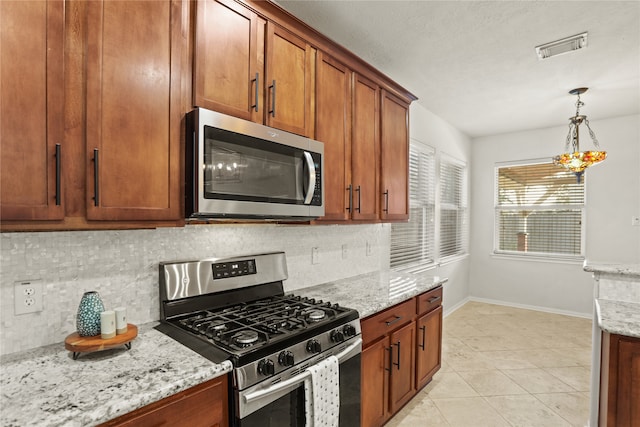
pixel 27 296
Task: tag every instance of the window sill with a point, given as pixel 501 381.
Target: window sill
pixel 578 260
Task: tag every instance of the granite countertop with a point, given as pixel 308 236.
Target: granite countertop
pixel 619 317
pixel 623 269
pixel 45 386
pixel 373 292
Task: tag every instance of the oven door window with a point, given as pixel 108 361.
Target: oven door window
pixel 239 167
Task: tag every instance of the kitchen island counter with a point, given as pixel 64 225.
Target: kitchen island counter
pixel 371 293
pixel 46 387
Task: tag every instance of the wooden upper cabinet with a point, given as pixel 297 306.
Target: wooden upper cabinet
pixel 134 68
pixel 31 110
pixel 394 158
pixel 290 82
pixel 229 59
pixel 365 148
pixel 333 128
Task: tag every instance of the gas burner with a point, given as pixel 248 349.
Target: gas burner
pixel 245 338
pixel 316 315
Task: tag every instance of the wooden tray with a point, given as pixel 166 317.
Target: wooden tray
pixel 77 344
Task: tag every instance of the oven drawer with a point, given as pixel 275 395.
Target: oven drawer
pixel 429 300
pixel 380 324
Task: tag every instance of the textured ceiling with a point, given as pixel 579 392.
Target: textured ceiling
pixel 473 63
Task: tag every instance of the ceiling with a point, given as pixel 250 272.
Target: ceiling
pixel 473 63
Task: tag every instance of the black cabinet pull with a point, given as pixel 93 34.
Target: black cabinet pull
pixel 350 190
pixel 257 92
pixel 390 368
pixel 358 190
pixel 386 201
pixel 397 364
pixel 273 98
pixel 424 333
pixel 391 322
pixel 96 178
pixel 58 172
pixel 433 299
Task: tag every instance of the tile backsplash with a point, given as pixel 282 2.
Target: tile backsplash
pixel 123 267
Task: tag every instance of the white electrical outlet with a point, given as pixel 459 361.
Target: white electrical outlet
pixel 27 295
pixel 315 256
pixel 345 251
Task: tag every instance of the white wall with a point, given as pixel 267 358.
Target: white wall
pixel 613 197
pixel 430 129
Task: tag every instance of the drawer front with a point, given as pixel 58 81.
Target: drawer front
pixel 429 300
pixel 380 324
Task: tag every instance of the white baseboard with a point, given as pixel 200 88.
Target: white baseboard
pixel 524 306
pixel 455 307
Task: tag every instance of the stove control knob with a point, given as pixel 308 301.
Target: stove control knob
pixel 285 358
pixel 313 346
pixel 337 336
pixel 266 367
pixel 349 330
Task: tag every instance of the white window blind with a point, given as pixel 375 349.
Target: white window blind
pixel 453 207
pixel 539 211
pixel 412 242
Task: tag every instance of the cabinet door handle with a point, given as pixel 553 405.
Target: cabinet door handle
pixel 358 190
pixel 96 178
pixel 257 92
pixel 391 322
pixel 386 201
pixel 350 190
pixel 424 333
pixel 390 368
pixel 58 172
pixel 273 98
pixel 433 299
pixel 397 364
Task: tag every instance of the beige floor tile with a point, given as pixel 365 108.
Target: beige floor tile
pixel 508 359
pixel 470 361
pixel 549 358
pixel 526 411
pixel 450 384
pixel 491 383
pixel 537 381
pixel 577 377
pixel 573 407
pixel 422 413
pixel 468 412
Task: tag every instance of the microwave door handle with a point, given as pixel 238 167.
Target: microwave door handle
pixel 311 172
pixel 353 349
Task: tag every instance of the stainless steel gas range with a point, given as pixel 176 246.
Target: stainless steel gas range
pixel 235 309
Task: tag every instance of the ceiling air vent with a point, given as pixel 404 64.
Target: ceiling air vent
pixel 559 47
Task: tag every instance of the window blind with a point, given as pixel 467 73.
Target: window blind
pixel 453 207
pixel 412 243
pixel 539 210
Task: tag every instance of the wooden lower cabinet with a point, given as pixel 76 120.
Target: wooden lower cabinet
pixel 205 405
pixel 620 381
pixel 401 353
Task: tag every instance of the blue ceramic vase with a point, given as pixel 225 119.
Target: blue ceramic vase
pixel 88 318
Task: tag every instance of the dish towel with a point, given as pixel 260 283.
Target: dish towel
pixel 322 394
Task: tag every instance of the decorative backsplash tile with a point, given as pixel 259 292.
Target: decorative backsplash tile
pixel 123 267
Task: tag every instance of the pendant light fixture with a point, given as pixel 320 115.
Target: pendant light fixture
pixel 575 160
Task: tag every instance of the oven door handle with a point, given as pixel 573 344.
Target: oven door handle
pixel 311 168
pixel 302 376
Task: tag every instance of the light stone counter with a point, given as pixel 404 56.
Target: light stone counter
pixel 373 292
pixel 46 387
pixel 616 317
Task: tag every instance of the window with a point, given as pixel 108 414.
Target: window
pixel 539 211
pixel 412 242
pixel 453 207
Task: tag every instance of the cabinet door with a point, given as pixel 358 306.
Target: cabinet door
pixel 375 384
pixel 394 158
pixel 290 82
pixel 628 410
pixel 365 148
pixel 402 378
pixel 428 346
pixel 229 59
pixel 134 67
pixel 31 109
pixel 333 128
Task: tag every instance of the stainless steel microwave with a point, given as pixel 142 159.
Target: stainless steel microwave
pixel 240 169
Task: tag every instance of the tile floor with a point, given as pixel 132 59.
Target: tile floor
pixel 504 366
